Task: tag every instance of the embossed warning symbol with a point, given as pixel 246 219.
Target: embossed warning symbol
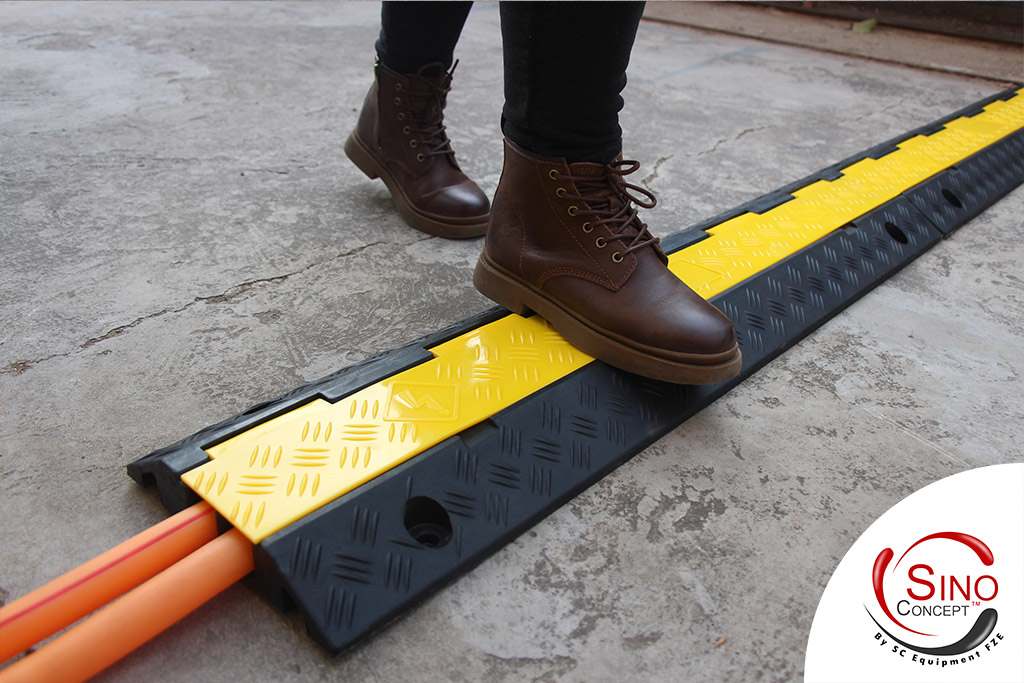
pixel 421 402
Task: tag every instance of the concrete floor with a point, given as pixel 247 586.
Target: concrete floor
pixel 182 237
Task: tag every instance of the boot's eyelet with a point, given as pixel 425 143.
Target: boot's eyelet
pixel 553 174
pixel 401 116
pixel 600 242
pixel 398 100
pixel 405 130
pixel 573 210
pixel 420 157
pixel 617 257
pixel 587 227
pixel 560 192
pixel 413 143
pixel 398 87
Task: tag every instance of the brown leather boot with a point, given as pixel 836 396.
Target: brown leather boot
pixel 565 241
pixel 401 139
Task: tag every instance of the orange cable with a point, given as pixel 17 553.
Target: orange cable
pixel 66 599
pixel 139 615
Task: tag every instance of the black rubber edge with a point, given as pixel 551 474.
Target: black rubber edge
pixel 365 558
pixel 164 467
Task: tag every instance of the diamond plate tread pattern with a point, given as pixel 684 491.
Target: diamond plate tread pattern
pixel 353 565
pixel 283 468
pixel 970 187
pixel 164 467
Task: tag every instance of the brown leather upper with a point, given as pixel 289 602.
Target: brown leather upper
pixel 402 124
pixel 571 231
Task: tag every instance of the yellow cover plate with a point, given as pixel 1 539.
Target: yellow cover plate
pixel 281 470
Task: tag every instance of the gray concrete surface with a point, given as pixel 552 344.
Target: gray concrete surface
pixel 182 237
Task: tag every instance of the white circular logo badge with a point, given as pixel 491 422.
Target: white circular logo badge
pixel 932 591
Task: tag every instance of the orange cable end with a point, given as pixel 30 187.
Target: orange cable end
pixel 139 615
pixel 66 599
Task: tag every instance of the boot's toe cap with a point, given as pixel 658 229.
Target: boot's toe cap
pixel 684 323
pixel 704 330
pixel 462 200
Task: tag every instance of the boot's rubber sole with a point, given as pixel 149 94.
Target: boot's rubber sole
pixel 498 284
pixel 441 226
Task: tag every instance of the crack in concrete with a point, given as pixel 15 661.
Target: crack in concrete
pixel 653 175
pixel 264 170
pixel 232 294
pixel 913 434
pixel 900 104
pixel 728 141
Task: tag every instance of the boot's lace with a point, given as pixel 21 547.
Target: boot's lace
pixel 427 97
pixel 613 202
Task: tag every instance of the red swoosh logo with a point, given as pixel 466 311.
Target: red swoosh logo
pixel 877 573
pixel 976 544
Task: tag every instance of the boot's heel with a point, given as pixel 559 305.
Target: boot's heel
pixel 360 156
pixel 498 288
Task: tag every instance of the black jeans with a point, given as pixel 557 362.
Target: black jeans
pixel 565 66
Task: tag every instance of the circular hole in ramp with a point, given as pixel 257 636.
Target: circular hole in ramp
pixel 896 233
pixel 427 522
pixel 952 199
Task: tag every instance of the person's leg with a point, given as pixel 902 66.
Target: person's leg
pixel 565 239
pixel 415 34
pixel 401 138
pixel 565 67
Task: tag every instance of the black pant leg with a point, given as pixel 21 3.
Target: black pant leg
pixel 565 68
pixel 414 34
